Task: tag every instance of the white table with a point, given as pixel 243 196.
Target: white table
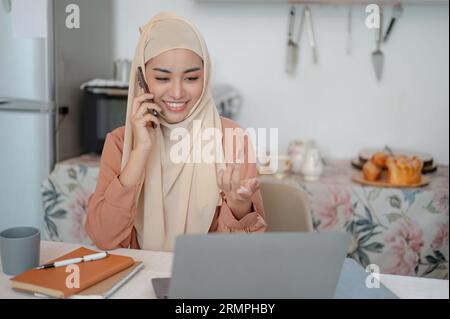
pixel 159 264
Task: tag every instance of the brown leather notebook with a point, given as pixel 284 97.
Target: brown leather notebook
pixel 52 281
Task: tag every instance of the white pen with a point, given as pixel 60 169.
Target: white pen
pixel 74 260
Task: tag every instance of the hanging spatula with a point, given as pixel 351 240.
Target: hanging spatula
pixel 377 55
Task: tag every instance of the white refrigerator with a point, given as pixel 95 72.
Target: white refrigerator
pixel 51 68
pixel 26 139
pixel 26 123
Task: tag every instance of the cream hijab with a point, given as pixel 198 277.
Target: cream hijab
pixel 174 198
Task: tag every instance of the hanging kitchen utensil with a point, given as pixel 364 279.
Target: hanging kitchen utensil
pixel 377 55
pixel 396 13
pixel 292 47
pixel 348 48
pixel 309 25
pixel 300 30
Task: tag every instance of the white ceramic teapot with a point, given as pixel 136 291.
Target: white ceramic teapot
pixel 297 151
pixel 312 166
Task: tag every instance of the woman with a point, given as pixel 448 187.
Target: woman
pixel 144 198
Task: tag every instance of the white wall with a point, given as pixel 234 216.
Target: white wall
pixel 22 63
pixel 338 102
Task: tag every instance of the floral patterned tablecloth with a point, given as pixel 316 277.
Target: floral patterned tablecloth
pixel 402 231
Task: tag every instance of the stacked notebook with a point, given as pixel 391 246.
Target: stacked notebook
pixel 99 278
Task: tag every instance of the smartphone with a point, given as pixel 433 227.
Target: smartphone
pixel 144 86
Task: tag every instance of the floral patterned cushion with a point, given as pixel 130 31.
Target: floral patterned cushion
pixel 65 195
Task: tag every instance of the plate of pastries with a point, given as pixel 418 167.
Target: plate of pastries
pixel 365 155
pixel 389 169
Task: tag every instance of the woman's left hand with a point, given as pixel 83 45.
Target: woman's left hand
pixel 238 193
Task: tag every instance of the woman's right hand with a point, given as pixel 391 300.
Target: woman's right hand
pixel 141 122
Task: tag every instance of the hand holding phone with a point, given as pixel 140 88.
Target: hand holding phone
pixel 143 119
pixel 144 86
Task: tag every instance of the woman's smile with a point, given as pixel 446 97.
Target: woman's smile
pixel 175 107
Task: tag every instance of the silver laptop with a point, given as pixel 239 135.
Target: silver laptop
pixel 262 265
